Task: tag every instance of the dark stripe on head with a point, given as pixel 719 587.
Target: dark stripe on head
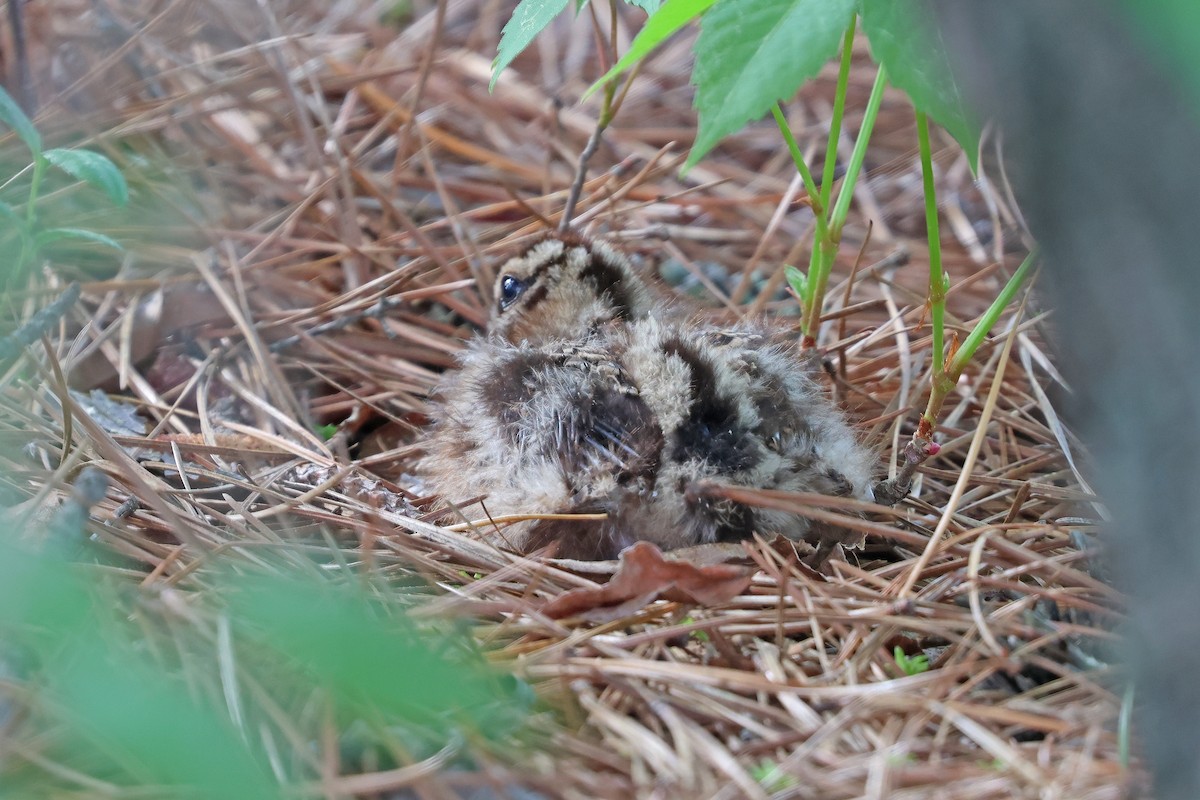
pixel 609 279
pixel 536 295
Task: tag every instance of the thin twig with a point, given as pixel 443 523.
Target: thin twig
pixel 589 150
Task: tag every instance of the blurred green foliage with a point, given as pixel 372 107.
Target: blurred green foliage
pixel 95 692
pixel 1171 31
pixel 223 685
pixel 25 227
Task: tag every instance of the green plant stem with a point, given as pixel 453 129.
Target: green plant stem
pixel 629 79
pixel 921 446
pixel 839 110
pixel 842 208
pixel 944 383
pixel 35 187
pixel 1124 725
pixel 827 246
pixel 28 248
pixel 810 186
pixel 810 321
pixel 990 318
pixel 821 265
pixel 818 209
pixel 937 281
pixel 23 257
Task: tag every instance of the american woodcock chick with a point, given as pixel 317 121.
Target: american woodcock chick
pixel 588 394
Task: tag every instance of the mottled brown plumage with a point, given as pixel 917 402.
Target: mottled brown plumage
pixel 587 394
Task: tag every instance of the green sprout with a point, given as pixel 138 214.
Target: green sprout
pixel 910 665
pixel 768 775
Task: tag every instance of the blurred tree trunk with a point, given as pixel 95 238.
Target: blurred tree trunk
pixel 1104 148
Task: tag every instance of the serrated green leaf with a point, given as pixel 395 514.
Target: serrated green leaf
pixel 904 37
pixel 12 116
pixel 52 235
pixel 753 53
pixel 673 15
pixel 92 168
pixel 649 6
pixel 528 20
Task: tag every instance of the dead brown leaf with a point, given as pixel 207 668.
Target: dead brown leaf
pixel 643 575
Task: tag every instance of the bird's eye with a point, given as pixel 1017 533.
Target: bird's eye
pixel 510 289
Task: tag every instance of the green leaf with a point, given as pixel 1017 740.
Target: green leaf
pixel 12 116
pixel 528 20
pixel 753 53
pixel 905 38
pixel 52 235
pixel 649 6
pixel 798 281
pixel 658 28
pixel 92 168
